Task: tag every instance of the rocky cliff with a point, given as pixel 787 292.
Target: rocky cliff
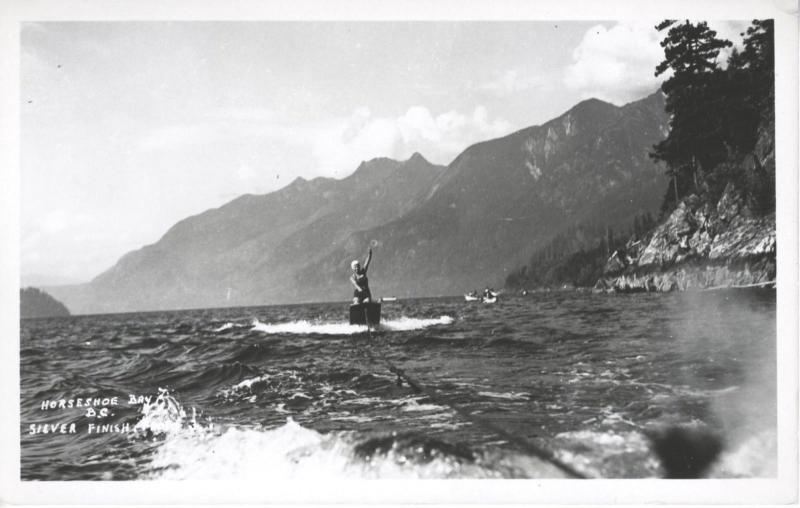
pixel 700 245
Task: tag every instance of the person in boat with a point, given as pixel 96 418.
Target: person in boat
pixel 361 294
pixel 488 293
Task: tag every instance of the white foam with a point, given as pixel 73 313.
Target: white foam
pixel 600 451
pixel 407 323
pixel 248 383
pixel 413 404
pixel 306 327
pixel 350 418
pixel 189 449
pixel 289 451
pixel 345 328
pixel 755 457
pixel 365 401
pixel 226 326
pixel 165 415
pixel 506 395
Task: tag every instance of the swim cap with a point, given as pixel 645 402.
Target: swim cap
pixel 354 264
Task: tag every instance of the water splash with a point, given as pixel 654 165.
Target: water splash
pixel 165 415
pixel 228 326
pixel 408 323
pixel 292 451
pixel 754 457
pixel 607 454
pixel 188 449
pixel 344 328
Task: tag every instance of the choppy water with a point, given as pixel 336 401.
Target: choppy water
pixel 294 391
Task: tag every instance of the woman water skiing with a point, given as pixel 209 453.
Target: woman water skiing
pixel 359 280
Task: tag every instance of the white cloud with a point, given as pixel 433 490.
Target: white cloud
pixel 336 146
pixel 616 64
pixel 446 134
pixel 510 81
pixel 730 30
pixel 245 172
pixel 438 137
pixel 339 145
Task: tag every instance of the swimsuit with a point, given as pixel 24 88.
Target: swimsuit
pixel 362 293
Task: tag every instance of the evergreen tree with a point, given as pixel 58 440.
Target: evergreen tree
pixel 694 142
pixel 758 57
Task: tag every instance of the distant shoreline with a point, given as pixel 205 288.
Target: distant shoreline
pixel 345 303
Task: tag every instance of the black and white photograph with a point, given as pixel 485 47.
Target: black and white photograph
pixel 287 249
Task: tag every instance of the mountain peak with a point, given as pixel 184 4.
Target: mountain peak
pixel 378 160
pixel 592 105
pixel 297 182
pixel 591 100
pixel 417 157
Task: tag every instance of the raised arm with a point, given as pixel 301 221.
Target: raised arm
pixel 369 258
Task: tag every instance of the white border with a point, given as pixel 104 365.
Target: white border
pixel 756 491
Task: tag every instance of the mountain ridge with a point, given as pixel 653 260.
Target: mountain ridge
pixel 438 218
pixel 436 230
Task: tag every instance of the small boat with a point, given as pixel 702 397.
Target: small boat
pixel 389 299
pixel 367 313
pixel 471 298
pixel 489 299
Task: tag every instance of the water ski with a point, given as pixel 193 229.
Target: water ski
pixel 368 313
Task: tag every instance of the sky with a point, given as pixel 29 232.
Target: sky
pixel 129 127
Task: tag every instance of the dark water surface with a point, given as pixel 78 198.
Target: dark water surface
pixel 294 391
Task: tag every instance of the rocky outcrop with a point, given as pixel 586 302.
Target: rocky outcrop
pixel 698 246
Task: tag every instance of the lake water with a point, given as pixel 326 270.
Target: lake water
pixel 296 392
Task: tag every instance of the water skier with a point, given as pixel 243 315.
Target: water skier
pixel 361 294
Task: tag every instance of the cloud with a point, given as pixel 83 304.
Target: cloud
pixel 438 137
pixel 616 64
pixel 732 31
pixel 509 82
pixel 450 132
pixel 337 145
pixel 245 172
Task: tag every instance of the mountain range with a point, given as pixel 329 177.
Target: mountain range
pixel 435 230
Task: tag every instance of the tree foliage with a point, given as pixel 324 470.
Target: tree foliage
pixel 716 113
pixel 577 255
pixel 721 131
